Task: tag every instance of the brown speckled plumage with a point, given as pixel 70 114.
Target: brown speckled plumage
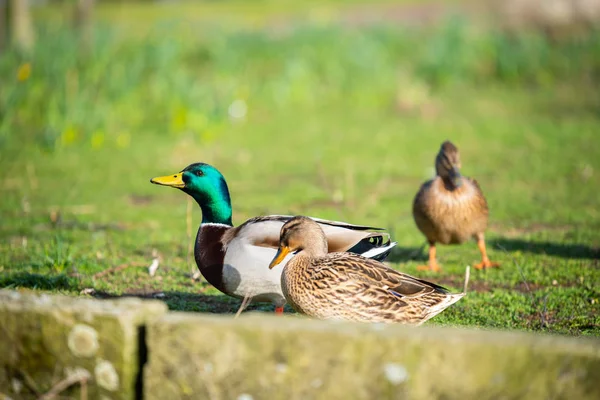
pixel 451 209
pixel 450 216
pixel 350 287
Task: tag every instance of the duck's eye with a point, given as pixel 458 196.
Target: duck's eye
pixel 198 173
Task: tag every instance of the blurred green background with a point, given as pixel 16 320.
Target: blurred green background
pixel 333 109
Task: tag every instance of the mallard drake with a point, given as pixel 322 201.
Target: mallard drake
pixel 235 259
pixel 348 286
pixel 451 209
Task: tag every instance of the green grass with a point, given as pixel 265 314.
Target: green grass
pixel 341 124
pixel 185 16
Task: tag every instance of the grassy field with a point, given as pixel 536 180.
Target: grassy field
pixel 341 123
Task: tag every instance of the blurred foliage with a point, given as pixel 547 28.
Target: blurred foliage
pixel 169 84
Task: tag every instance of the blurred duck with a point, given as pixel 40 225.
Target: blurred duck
pixel 450 209
pixel 348 286
pixel 235 259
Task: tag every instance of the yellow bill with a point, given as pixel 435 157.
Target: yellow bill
pixel 175 180
pixel 280 256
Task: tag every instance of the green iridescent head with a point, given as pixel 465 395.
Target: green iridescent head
pixel 207 186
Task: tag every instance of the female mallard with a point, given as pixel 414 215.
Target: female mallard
pixel 450 208
pixel 348 286
pixel 235 259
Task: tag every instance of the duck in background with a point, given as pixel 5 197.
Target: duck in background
pixel 346 286
pixel 235 259
pixel 451 208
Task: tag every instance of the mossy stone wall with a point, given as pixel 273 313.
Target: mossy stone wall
pixel 45 340
pixel 269 357
pixel 132 349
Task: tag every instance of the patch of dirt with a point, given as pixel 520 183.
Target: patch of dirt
pixel 408 14
pixel 541 319
pixel 513 232
pixel 414 15
pixel 483 287
pixel 140 199
pixel 218 304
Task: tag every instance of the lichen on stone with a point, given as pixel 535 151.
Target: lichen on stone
pixel 208 368
pixel 83 340
pixel 316 383
pixel 78 373
pixel 378 327
pixel 14 295
pixel 281 368
pixel 106 375
pixel 17 385
pixel 395 373
pixel 44 299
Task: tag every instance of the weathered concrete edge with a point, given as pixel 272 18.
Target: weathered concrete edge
pixel 246 329
pixel 290 357
pixel 584 345
pixel 55 327
pixel 127 309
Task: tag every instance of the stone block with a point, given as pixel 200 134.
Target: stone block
pixel 269 357
pixel 51 341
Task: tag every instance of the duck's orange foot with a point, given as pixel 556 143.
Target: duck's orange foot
pixel 429 267
pixel 486 264
pixel 279 310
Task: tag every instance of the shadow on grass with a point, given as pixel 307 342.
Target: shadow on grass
pixel 577 251
pixel 38 281
pixel 404 254
pixel 180 301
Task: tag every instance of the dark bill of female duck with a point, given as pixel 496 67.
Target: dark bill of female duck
pixel 235 259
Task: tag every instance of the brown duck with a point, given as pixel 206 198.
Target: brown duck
pixel 451 209
pixel 348 286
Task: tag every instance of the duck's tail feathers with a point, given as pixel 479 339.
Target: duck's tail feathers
pixel 448 299
pixel 381 253
pixel 374 247
pixel 445 302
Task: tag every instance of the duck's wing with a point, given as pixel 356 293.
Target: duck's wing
pixel 354 268
pixel 480 200
pixel 421 208
pixel 264 231
pixel 367 290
